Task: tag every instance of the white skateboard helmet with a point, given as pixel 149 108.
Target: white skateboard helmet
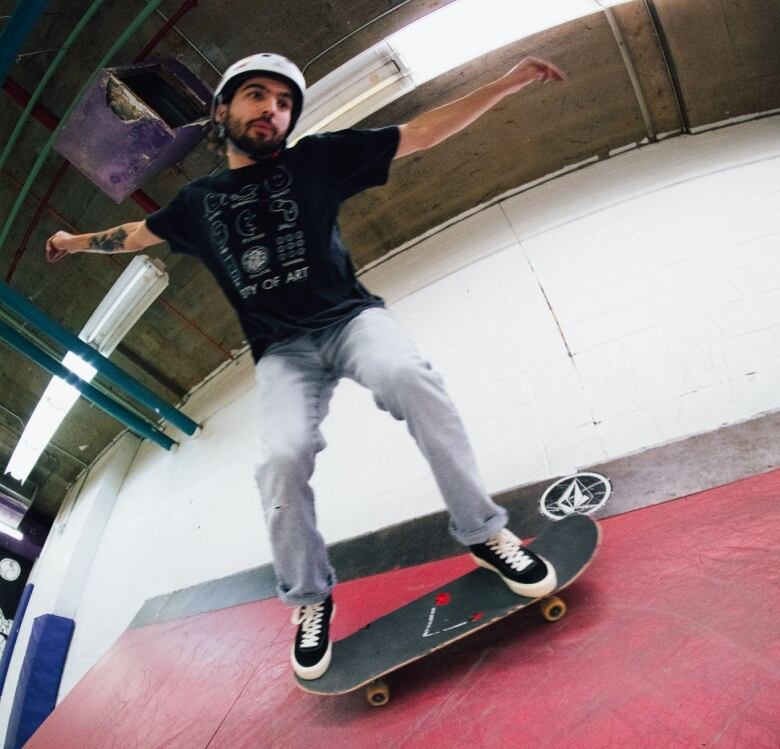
pixel 269 63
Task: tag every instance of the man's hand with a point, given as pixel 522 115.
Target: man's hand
pixel 57 247
pixel 436 125
pixel 530 70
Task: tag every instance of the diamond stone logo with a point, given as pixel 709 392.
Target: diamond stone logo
pixel 581 493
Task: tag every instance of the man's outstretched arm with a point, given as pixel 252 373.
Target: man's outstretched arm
pixel 130 237
pixel 438 124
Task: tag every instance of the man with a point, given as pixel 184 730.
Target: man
pixel 267 229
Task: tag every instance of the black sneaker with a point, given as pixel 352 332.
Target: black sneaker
pixel 312 647
pixel 526 573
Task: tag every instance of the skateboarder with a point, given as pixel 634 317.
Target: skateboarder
pixel 266 227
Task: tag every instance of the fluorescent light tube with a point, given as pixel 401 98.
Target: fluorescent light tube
pixel 131 295
pixel 56 401
pixel 466 29
pixel 353 91
pixel 442 40
pixel 12 532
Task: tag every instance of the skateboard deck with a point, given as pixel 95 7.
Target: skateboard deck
pixel 449 613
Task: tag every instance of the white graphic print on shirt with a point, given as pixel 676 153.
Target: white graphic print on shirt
pixel 240 210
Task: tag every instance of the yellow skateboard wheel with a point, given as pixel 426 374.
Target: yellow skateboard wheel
pixel 553 608
pixel 377 693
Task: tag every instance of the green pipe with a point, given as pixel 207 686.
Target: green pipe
pixel 118 44
pixel 22 306
pixel 55 63
pixel 139 426
pixel 43 344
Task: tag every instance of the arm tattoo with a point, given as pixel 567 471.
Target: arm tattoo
pixel 109 242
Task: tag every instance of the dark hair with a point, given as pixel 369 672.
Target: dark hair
pixel 216 142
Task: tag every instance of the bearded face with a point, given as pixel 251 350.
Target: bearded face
pixel 257 137
pixel 259 116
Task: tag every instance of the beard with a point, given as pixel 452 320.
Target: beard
pixel 255 145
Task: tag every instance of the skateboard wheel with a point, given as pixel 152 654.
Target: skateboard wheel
pixel 377 693
pixel 553 608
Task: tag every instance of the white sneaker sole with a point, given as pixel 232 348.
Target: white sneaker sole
pixel 318 669
pixel 532 590
pixel 315 671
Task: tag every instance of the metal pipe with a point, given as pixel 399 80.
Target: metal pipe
pixel 53 212
pixel 44 152
pixel 190 42
pixel 11 493
pixel 170 23
pixel 43 344
pixel 114 259
pixel 41 113
pixel 631 70
pixel 29 311
pixel 50 120
pixel 121 414
pixel 352 33
pixel 18 433
pixel 16 31
pixel 40 208
pixel 50 71
pixel 671 71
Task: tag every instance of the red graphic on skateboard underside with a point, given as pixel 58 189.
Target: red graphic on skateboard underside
pixel 442 599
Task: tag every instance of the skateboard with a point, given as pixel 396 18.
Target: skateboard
pixel 449 613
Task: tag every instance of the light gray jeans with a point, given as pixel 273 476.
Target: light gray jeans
pixel 296 379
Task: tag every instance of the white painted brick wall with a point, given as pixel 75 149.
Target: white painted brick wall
pixel 659 270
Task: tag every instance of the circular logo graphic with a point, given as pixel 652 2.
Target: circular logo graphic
pixel 581 493
pixel 255 260
pixel 9 569
pixel 279 180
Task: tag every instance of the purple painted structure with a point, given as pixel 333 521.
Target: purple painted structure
pixel 16 514
pixel 134 122
pixel 30 546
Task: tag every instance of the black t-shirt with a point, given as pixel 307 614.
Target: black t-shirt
pixel 269 232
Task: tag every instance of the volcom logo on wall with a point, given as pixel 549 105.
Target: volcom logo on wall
pixel 14 571
pixel 10 569
pixel 581 493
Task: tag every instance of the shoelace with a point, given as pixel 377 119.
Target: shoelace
pixel 310 619
pixel 507 546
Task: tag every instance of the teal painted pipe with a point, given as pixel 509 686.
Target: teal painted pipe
pixel 103 402
pixel 16 30
pixel 43 343
pixel 44 152
pixel 20 304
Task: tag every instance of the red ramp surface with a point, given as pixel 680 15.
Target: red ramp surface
pixel 671 640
